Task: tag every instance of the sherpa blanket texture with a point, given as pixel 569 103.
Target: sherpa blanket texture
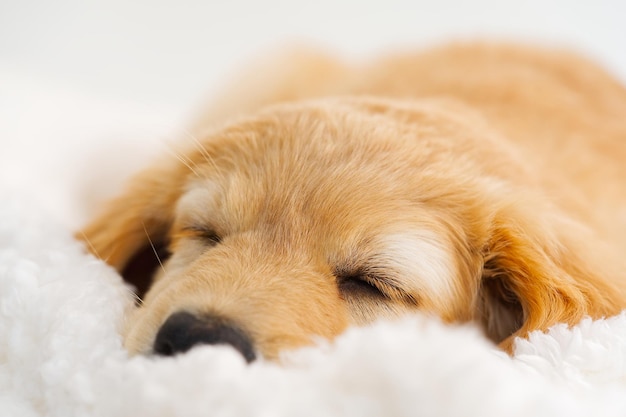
pixel 61 311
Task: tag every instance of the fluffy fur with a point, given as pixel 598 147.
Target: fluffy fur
pixel 61 353
pixel 477 183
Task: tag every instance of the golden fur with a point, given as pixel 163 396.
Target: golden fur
pixel 481 183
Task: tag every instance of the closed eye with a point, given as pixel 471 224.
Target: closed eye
pixel 206 235
pixel 360 286
pixel 365 284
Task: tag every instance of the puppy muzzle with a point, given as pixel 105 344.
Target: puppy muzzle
pixel 182 331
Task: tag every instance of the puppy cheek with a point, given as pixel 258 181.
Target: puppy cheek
pixel 299 322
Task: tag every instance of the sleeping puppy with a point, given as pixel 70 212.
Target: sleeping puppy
pixel 478 183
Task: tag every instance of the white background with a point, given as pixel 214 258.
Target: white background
pixel 88 87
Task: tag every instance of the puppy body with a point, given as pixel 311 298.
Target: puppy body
pixel 474 182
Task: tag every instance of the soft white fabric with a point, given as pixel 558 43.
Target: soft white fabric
pixel 61 355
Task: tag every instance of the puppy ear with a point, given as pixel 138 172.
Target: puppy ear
pixel 132 229
pixel 539 271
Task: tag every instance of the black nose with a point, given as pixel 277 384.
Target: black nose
pixel 182 331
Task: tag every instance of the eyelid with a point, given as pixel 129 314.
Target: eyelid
pixel 365 276
pixel 199 232
pixel 385 285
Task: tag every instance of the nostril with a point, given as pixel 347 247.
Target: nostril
pixel 182 331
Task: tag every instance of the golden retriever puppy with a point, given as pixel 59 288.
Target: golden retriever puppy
pixel 478 183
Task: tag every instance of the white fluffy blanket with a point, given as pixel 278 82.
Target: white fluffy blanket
pixel 61 355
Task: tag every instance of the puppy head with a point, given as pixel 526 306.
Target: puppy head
pixel 309 218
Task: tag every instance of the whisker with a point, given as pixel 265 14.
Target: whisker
pixel 156 254
pixel 95 251
pixel 203 151
pixel 91 246
pixel 188 163
pixel 137 299
pixel 198 144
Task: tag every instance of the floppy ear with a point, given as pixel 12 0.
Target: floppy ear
pixel 543 270
pixel 134 226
